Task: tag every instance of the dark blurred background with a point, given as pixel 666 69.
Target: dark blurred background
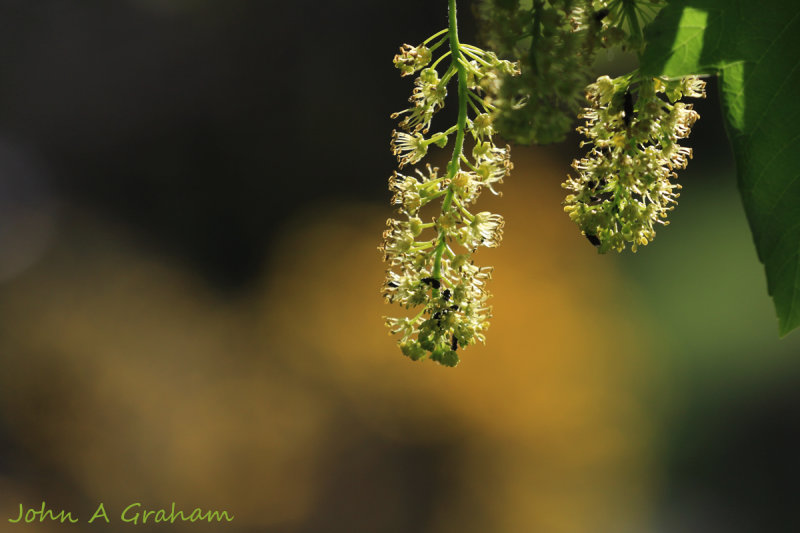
pixel 191 193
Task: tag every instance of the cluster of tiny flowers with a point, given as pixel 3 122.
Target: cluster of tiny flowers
pixel 556 42
pixel 624 184
pixel 430 267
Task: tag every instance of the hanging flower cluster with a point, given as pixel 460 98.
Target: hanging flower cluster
pixel 556 41
pixel 624 184
pixel 430 269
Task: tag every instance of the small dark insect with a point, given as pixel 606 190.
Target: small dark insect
pixel 593 239
pixel 441 313
pixel 454 343
pixel 446 294
pixel 433 282
pixel 454 308
pixel 628 108
pixel 601 14
pixel 594 184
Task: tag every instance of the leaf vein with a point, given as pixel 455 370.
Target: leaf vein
pixel 777 38
pixel 772 159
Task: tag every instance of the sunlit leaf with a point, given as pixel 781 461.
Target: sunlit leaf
pixel 755 50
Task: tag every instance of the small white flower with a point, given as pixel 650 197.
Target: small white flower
pixel 485 229
pixel 412 58
pixel 409 149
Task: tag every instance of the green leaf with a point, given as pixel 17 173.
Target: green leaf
pixel 754 47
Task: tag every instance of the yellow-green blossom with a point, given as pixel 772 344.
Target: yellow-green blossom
pixel 430 269
pixel 625 183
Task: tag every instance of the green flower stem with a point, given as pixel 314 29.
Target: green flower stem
pixel 438 44
pixel 446 79
pixel 474 107
pixel 476 57
pixel 453 166
pixel 464 210
pixel 436 63
pixel 434 196
pixel 473 49
pixel 435 35
pixel 486 106
pixel 419 315
pixel 467 162
pixel 438 137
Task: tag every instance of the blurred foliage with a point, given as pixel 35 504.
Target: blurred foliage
pixel 540 105
pixel 158 148
pixel 132 380
pixel 728 411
